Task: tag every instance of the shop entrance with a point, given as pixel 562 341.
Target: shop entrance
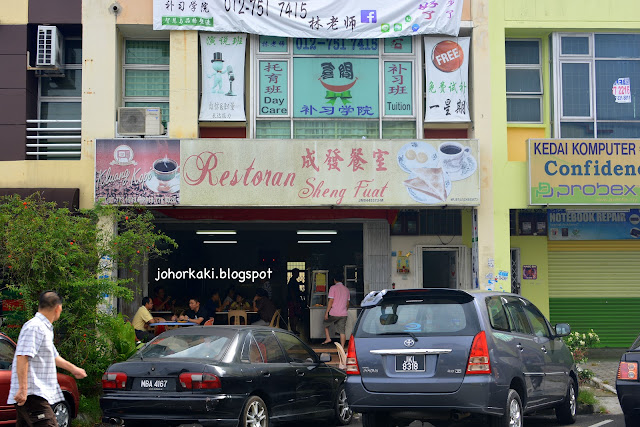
pixel 444 267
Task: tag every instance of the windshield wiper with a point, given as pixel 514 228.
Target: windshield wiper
pixel 411 334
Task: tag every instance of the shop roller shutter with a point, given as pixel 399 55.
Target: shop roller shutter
pixel 596 285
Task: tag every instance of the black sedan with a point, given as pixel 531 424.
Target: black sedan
pixel 224 376
pixel 628 385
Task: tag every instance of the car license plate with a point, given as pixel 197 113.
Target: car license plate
pixel 410 363
pixel 155 384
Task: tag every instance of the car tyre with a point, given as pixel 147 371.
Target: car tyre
pixel 254 413
pixel 567 411
pixel 344 414
pixel 512 412
pixel 62 411
pixel 631 420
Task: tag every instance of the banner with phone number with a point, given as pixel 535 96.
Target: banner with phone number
pixel 329 19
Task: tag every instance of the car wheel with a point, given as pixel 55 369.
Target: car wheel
pixel 254 413
pixel 63 413
pixel 512 414
pixel 567 411
pixel 631 420
pixel 344 414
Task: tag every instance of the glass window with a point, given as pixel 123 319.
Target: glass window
pixel 497 316
pixel 334 129
pixel 575 45
pixel 537 320
pixel 575 90
pixel 273 129
pixel 518 319
pixel 617 45
pixel 269 348
pixel 251 352
pixel 69 85
pixel 524 81
pixel 7 350
pixel 295 349
pixel 189 346
pixel 146 75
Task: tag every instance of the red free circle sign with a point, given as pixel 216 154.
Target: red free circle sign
pixel 447 56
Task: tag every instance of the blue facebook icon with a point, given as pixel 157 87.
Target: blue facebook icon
pixel 368 16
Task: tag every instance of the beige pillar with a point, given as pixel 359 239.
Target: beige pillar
pixel 183 85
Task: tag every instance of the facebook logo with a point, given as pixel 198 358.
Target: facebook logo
pixel 368 16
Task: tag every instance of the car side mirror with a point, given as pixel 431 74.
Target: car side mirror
pixel 562 329
pixel 325 357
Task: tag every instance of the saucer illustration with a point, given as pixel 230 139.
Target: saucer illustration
pixel 417 154
pixel 157 186
pixel 467 168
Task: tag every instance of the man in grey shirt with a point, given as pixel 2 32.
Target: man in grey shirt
pixel 34 380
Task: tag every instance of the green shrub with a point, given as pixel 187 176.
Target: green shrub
pixel 586 397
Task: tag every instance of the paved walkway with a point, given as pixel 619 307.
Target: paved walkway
pixel 603 362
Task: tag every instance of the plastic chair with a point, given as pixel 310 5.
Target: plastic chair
pixel 208 322
pixel 275 319
pixel 236 316
pixel 342 355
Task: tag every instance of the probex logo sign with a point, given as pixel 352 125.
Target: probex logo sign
pixel 447 56
pixel 368 16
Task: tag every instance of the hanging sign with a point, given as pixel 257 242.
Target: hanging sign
pixel 313 19
pixel 274 97
pixel 398 89
pixel 447 77
pixel 222 77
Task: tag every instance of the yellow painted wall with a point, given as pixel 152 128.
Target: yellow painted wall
pixel 570 14
pixel 533 251
pixel 183 84
pixel 517 141
pixel 14 12
pixel 136 12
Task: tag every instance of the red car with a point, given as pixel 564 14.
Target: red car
pixel 65 411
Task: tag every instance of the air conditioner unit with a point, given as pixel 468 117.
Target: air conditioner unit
pixel 139 121
pixel 50 47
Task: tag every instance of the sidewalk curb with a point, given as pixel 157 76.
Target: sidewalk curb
pixel 597 382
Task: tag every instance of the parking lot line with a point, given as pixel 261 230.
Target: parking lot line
pixel 601 423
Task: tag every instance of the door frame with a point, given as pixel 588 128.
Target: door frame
pixel 463 263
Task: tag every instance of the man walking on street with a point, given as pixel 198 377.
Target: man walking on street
pixel 34 380
pixel 337 311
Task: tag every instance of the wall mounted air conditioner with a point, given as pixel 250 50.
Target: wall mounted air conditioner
pixel 50 44
pixel 139 121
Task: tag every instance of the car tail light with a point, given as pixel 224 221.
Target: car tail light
pixel 479 356
pixel 352 359
pixel 200 381
pixel 628 371
pixel 114 380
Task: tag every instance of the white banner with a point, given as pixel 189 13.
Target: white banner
pixel 222 77
pixel 334 19
pixel 447 72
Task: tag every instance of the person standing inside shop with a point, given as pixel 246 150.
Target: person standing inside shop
pixel 213 304
pixel 264 306
pixel 337 311
pixel 294 302
pixel 196 313
pixel 34 384
pixel 142 319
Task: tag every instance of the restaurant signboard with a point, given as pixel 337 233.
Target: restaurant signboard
pixel 584 171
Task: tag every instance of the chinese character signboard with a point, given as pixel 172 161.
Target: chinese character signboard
pixel 398 45
pixel 398 89
pixel 584 171
pixel 355 172
pixel 447 79
pixel 222 77
pixel 335 47
pixel 274 99
pixel 311 19
pixel 270 44
pixel 338 87
pixel 593 225
pixel 143 171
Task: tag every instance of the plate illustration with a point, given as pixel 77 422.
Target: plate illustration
pixel 424 197
pixel 467 168
pixel 417 154
pixel 157 186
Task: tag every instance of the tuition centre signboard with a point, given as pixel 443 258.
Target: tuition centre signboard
pixel 311 19
pixel 593 225
pixel 584 171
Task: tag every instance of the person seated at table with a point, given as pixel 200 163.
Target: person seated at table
pixel 230 299
pixel 196 313
pixel 213 305
pixel 264 306
pixel 160 303
pixel 240 303
pixel 179 316
pixel 143 319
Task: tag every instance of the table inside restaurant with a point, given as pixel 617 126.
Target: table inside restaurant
pixel 161 313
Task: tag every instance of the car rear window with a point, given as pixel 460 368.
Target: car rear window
pixel 636 345
pixel 420 316
pixel 189 346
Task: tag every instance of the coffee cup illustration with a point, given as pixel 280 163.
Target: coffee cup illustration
pixel 165 169
pixel 452 154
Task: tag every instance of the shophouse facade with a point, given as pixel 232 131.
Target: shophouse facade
pixel 210 165
pixel 565 159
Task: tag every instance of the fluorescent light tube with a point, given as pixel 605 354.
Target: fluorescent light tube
pixel 314 241
pixel 220 241
pixel 317 232
pixel 216 232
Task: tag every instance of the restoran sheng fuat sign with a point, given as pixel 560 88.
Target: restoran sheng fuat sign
pixel 584 171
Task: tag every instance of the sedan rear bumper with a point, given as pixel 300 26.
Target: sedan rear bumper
pixel 629 396
pixel 478 395
pixel 208 410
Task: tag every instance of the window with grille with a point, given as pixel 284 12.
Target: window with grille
pixel 524 81
pixel 596 97
pixel 146 75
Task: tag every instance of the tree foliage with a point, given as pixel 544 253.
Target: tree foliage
pixel 45 247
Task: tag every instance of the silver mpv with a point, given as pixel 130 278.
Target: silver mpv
pixel 441 354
